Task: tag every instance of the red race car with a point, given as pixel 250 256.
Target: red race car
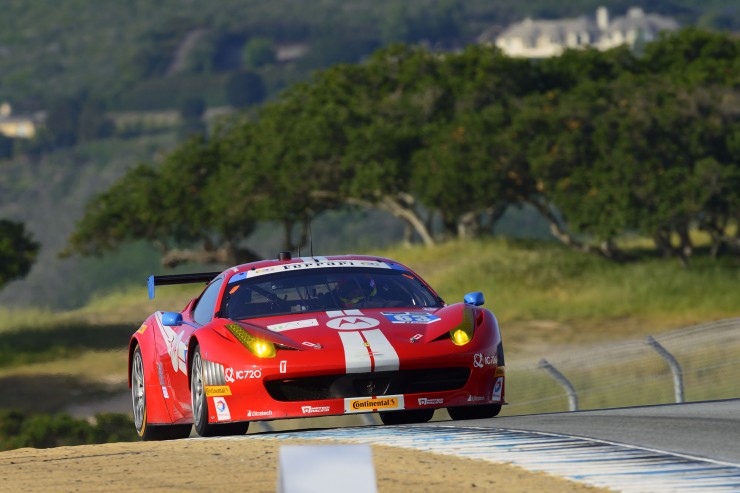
pixel 312 336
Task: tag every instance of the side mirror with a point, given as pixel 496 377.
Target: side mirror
pixel 475 298
pixel 171 319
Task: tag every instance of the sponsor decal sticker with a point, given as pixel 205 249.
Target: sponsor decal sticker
pixel 213 390
pixel 142 329
pixel 165 393
pixel 476 398
pixel 322 264
pixel 176 348
pixel 232 375
pixel 416 338
pixel 373 404
pixel 222 409
pixel 283 366
pixel 252 414
pixel 314 345
pixel 497 388
pixel 411 317
pixel 480 360
pixel 314 409
pixel 425 401
pixel 160 372
pixel 500 371
pixel 298 324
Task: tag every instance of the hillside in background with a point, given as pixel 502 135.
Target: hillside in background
pixel 141 55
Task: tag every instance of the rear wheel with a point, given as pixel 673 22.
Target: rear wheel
pixel 406 417
pixel 474 412
pixel 200 405
pixel 138 399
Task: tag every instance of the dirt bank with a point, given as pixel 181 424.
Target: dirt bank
pixel 244 465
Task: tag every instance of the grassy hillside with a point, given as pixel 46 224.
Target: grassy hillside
pixel 539 291
pixel 48 194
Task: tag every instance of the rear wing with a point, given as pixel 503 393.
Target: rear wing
pixel 204 277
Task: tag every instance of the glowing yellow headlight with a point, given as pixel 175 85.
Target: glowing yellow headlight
pixel 258 347
pixel 463 333
pixel 262 349
pixel 460 337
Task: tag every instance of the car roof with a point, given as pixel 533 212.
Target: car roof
pixel 261 264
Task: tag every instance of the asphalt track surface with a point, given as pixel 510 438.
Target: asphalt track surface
pixel 708 430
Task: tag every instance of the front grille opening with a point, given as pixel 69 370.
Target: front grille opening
pixel 367 384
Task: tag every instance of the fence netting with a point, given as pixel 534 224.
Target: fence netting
pixel 631 373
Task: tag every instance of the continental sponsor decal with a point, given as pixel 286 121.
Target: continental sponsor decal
pixel 500 371
pixel 142 329
pixel 214 390
pixel 359 405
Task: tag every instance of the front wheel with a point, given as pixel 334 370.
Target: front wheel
pixel 200 405
pixel 138 399
pixel 474 412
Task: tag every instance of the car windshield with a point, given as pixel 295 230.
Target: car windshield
pixel 325 289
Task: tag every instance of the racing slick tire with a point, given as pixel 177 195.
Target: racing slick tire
pixel 138 399
pixel 474 412
pixel 200 405
pixel 406 417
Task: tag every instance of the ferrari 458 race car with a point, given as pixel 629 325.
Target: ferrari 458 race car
pixel 312 336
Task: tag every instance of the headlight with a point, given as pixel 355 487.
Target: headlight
pixel 460 337
pixel 463 333
pixel 258 347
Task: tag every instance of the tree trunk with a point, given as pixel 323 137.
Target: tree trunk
pixel 607 249
pixel 494 214
pixel 400 205
pixel 687 248
pixel 468 225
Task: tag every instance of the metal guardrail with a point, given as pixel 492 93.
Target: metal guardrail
pixel 690 364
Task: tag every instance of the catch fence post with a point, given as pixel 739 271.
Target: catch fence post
pixel 569 389
pixel 673 363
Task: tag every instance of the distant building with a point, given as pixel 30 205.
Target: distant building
pixel 547 38
pixel 20 126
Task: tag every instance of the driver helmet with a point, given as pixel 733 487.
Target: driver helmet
pixel 351 290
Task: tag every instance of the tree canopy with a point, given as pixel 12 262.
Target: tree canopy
pixel 17 251
pixel 601 143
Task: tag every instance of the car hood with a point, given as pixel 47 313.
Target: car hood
pixel 324 329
